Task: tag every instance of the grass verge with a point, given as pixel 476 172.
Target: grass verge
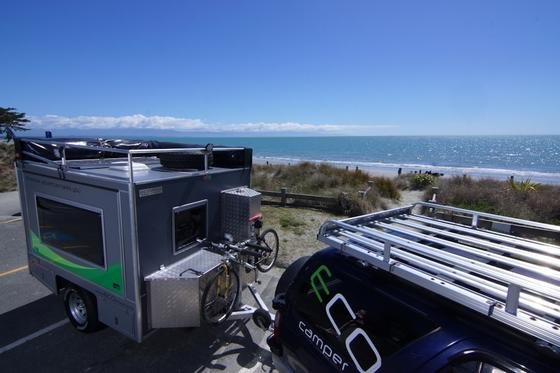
pixel 297 230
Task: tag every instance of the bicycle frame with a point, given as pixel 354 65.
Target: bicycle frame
pixel 234 253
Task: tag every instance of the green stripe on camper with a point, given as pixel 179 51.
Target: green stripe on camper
pixel 110 279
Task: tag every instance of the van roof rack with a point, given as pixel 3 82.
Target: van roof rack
pixel 476 262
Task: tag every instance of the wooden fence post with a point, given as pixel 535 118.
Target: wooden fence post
pixel 283 199
pixel 364 193
pixel 434 194
pixel 343 201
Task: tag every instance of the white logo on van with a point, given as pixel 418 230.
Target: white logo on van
pixel 322 346
pixel 358 333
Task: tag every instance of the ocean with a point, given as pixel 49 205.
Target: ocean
pixel 525 157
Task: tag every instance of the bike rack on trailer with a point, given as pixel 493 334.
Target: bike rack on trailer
pixel 246 311
pixel 511 279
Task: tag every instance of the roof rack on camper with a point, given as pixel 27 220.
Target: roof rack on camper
pixel 59 152
pixel 476 261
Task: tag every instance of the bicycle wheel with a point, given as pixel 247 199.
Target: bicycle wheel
pixel 220 296
pixel 269 238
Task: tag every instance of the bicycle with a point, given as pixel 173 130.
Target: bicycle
pixel 269 238
pixel 222 291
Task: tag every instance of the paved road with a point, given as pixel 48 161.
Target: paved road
pixel 9 204
pixel 34 335
pixel 17 287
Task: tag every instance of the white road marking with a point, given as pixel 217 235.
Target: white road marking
pixel 13 271
pixel 31 336
pixel 10 221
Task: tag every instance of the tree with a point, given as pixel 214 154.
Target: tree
pixel 11 121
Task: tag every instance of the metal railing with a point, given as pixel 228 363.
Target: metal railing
pixel 130 153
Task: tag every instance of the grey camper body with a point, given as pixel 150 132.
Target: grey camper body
pixel 113 221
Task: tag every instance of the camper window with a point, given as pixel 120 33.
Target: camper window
pixel 189 224
pixel 73 230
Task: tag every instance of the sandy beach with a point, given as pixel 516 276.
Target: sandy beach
pixel 391 170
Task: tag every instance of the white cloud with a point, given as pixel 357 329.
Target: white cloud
pixel 139 121
pixel 126 121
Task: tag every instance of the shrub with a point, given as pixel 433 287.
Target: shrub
pixel 421 181
pixel 533 202
pixel 402 182
pixel 358 206
pixel 523 186
pixel 319 178
pixel 387 187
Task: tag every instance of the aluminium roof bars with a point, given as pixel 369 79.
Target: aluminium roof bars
pixel 511 279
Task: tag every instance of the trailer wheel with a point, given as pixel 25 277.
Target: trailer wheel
pixel 81 309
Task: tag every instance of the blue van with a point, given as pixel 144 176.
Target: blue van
pixel 389 297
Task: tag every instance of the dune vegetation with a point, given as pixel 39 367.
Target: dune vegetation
pixel 521 199
pixel 327 180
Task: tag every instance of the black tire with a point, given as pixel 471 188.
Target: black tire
pixel 270 239
pixel 289 275
pixel 224 304
pixel 81 309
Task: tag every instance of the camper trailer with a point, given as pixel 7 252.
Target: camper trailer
pixel 122 229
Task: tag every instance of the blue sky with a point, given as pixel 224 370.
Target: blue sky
pixel 285 67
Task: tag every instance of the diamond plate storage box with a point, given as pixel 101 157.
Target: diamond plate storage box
pixel 174 292
pixel 239 206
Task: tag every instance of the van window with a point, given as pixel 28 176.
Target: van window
pixel 475 367
pixel 71 229
pixel 189 224
pixel 480 362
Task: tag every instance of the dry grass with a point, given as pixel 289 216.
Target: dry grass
pixel 538 203
pixel 7 172
pixel 297 229
pixel 324 179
